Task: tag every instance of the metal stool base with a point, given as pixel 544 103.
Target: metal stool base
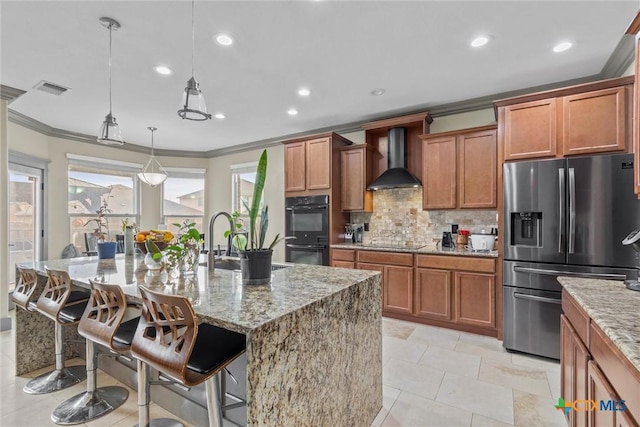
pixel 56 380
pixel 163 422
pixel 89 405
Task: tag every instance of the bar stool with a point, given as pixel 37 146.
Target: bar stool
pixel 24 289
pixel 189 354
pixel 65 307
pixel 101 323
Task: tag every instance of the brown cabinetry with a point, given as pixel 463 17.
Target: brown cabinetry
pixel 583 119
pixel 433 294
pixel 634 28
pixel 397 278
pixel 474 299
pixel 312 164
pixel 595 372
pixel 356 170
pixel 460 169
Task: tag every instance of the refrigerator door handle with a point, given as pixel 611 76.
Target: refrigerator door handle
pixel 538 299
pixel 561 209
pixel 572 210
pixel 569 273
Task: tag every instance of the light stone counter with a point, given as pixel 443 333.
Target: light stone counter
pixel 428 249
pixel 314 342
pixel 613 307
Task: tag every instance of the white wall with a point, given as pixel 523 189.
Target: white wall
pixel 4 215
pixel 219 192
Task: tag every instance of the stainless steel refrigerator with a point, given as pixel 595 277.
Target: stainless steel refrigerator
pixel 562 217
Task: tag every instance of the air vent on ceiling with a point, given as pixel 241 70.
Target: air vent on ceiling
pixel 51 88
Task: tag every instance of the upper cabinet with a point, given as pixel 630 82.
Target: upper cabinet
pixel 312 164
pixel 355 176
pixel 460 169
pixel 584 119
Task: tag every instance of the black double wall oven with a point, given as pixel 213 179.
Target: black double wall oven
pixel 307 219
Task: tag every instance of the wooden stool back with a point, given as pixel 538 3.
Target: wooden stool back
pixel 104 313
pixel 55 294
pixel 24 289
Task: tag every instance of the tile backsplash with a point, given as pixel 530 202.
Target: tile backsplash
pixel 398 219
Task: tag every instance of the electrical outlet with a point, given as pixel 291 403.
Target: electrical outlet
pixel 454 228
pixel 366 226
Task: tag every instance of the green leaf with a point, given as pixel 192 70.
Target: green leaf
pixel 258 187
pixel 279 239
pixel 264 224
pixel 194 234
pixel 240 240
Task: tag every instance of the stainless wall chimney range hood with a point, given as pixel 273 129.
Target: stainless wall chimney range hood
pixel 397 175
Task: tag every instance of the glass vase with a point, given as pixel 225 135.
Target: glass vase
pixel 189 261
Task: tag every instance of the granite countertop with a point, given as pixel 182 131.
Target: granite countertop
pixel 614 308
pixel 218 298
pixel 428 249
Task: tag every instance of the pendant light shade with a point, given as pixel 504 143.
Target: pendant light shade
pixel 110 133
pixel 193 104
pixel 153 173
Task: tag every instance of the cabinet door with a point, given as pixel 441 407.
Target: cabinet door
pixel 318 164
pixel 636 120
pixel 433 294
pixel 353 179
pixel 530 130
pixel 595 121
pixel 574 358
pixel 477 170
pixel 439 173
pixel 397 293
pixel 294 166
pixel 600 389
pixel 474 299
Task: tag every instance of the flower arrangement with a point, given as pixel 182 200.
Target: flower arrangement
pixel 181 252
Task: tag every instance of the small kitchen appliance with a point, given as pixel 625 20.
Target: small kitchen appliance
pixel 447 240
pixel 481 242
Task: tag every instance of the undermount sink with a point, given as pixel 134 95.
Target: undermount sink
pixel 227 263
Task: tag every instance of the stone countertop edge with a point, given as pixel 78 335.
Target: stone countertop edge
pixel 614 309
pixel 421 250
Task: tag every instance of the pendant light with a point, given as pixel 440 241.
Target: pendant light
pixel 153 173
pixel 110 131
pixel 193 105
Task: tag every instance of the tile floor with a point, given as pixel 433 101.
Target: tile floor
pixel 431 377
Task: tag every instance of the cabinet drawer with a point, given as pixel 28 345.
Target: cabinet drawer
pixel 343 264
pixel 576 316
pixel 343 254
pixel 389 258
pixel 624 379
pixel 455 262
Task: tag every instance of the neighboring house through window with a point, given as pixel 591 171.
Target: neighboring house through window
pixel 183 197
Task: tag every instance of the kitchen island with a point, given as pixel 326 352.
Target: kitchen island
pixel 314 354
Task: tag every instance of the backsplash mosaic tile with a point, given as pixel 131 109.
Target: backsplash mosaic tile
pixel 398 219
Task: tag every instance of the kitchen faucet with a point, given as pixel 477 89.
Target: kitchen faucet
pixel 211 256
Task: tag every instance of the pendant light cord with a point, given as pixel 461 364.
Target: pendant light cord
pixel 110 27
pixel 193 38
pixel 152 143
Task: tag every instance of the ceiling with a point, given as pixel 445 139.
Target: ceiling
pixel 417 51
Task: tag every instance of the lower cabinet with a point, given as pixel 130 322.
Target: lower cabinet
pixel 596 379
pixel 442 290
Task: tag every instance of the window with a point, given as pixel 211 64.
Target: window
pixel 243 177
pixel 91 182
pixel 183 197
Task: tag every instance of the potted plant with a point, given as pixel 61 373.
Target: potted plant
pixel 255 257
pixel 106 249
pixel 185 252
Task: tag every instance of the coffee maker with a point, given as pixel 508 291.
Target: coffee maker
pixel 447 241
pixel 353 233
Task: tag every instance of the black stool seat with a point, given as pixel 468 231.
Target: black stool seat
pixel 72 313
pixel 213 347
pixel 76 296
pixel 124 334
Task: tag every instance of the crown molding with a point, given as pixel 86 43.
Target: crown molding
pixel 621 58
pixel 10 94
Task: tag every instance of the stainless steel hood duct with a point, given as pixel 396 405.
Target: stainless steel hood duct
pixel 397 175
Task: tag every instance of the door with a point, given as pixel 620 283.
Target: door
pixel 603 210
pixel 26 226
pixel 433 294
pixel 474 296
pixel 319 164
pixel 600 390
pixel 397 289
pixel 477 170
pixel 294 166
pixel 352 182
pixel 530 130
pixel 439 170
pixel 307 254
pixel 534 211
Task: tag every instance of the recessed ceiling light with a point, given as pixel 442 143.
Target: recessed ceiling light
pixel 377 92
pixel 219 116
pixel 561 47
pixel 292 112
pixel 161 69
pixel 479 41
pixel 224 39
pixel 304 92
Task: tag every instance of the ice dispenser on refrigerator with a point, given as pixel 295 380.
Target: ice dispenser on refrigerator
pixel 526 228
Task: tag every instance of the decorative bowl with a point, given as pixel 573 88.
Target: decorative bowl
pixel 143 248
